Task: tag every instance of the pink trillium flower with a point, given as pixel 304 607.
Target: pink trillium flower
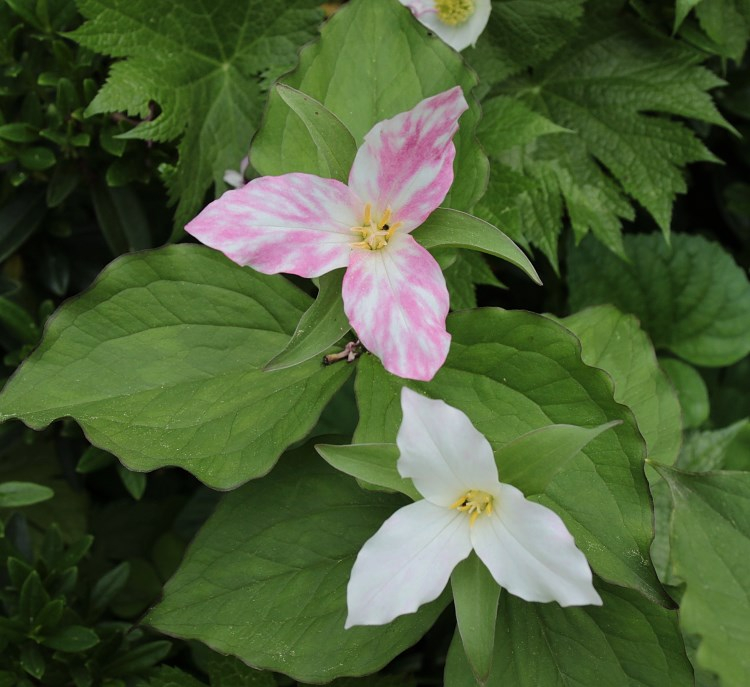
pixel 394 292
pixel 458 22
pixel 408 561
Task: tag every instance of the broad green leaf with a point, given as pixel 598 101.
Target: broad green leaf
pixel 691 392
pixel 161 364
pixel 615 343
pixel 265 579
pixel 335 144
pixel 627 642
pixel 690 296
pixel 322 325
pixel 511 373
pixel 16 494
pixel 372 62
pixel 374 464
pixel 710 541
pixel 200 64
pixel 476 596
pixel 531 461
pixel 610 86
pixel 454 229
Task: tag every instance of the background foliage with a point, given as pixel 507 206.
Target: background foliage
pixel 601 124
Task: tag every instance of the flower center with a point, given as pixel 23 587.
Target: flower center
pixel 475 502
pixel 453 12
pixel 375 234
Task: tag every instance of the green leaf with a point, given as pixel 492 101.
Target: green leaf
pixel 374 464
pixel 33 598
pixel 107 587
pixel 121 218
pixel 520 34
pixel 169 676
pixel 704 451
pixel 476 596
pixel 19 325
pixel 454 229
pixel 464 274
pixel 611 86
pixel 16 494
pixel 615 343
pixel 627 641
pixel 690 296
pixel 691 392
pixel 322 325
pixel 725 22
pixel 161 364
pixel 531 461
pixel 19 218
pixel 265 579
pixel 710 540
pixel 37 159
pixel 372 62
pixel 72 639
pixel 334 142
pixel 32 661
pixel 19 132
pixel 139 659
pixel 511 373
pixel 134 482
pixel 226 671
pixel 199 63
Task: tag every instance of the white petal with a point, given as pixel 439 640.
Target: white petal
pixel 463 35
pixel 530 552
pixel 441 451
pixel 406 563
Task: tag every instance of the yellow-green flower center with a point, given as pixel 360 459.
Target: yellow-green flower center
pixel 453 12
pixel 375 233
pixel 475 502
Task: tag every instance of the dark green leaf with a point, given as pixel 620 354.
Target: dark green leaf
pixel 121 218
pixel 37 158
pixel 16 494
pixel 72 639
pixel 691 391
pixel 32 660
pixel 19 218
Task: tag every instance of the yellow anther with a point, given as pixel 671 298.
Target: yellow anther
pixel 454 12
pixel 474 502
pixel 375 235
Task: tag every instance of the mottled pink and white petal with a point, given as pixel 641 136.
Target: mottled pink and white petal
pixel 529 551
pixel 406 563
pixel 441 451
pixel 296 223
pixel 406 162
pixel 397 302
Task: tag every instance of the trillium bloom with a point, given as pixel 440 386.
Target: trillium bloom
pixel 458 22
pixel 408 561
pixel 394 292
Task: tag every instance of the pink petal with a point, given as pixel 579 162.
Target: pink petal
pixel 397 301
pixel 406 162
pixel 296 223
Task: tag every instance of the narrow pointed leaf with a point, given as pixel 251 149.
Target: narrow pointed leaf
pixel 334 142
pixel 322 325
pixel 454 229
pixel 476 595
pixel 532 461
pixel 371 463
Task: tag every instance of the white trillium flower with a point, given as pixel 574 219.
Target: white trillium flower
pixel 458 22
pixel 408 561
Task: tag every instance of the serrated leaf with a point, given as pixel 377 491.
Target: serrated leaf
pixel 454 229
pixel 200 64
pixel 610 85
pixel 615 343
pixel 690 296
pixel 372 62
pixel 511 373
pixel 265 579
pixel 710 542
pixel 161 364
pixel 322 325
pixel 627 641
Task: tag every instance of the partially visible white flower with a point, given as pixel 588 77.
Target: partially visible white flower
pixel 408 561
pixel 458 22
pixel 234 178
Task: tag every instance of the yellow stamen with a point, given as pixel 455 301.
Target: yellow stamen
pixel 375 235
pixel 454 12
pixel 474 503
